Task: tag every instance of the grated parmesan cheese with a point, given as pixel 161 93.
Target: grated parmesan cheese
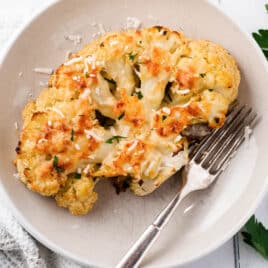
pixel 166 110
pixel 133 145
pixel 177 115
pixel 79 170
pixel 56 111
pixel 183 91
pixel 178 138
pixel 76 39
pixel 85 94
pixel 90 133
pixel 86 169
pixel 49 123
pixel 41 140
pixel 43 84
pixel 17 176
pixel 101 28
pixel 77 147
pixel 41 70
pixel 74 60
pixel 133 23
pixel 16 125
pixel 113 132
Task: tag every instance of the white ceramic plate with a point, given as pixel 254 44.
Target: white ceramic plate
pixel 205 220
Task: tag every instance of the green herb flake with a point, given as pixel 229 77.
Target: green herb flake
pixel 203 75
pixel 139 95
pixel 266 7
pixel 77 175
pixel 210 89
pixel 164 117
pixel 55 165
pixel 121 116
pixel 114 138
pixel 72 135
pixel 132 56
pixel 256 236
pixel 111 81
pixel 87 75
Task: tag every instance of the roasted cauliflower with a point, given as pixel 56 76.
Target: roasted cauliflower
pixel 120 108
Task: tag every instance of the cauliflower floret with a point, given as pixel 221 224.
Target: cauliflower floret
pixel 77 195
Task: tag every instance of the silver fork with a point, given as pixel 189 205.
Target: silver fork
pixel 208 160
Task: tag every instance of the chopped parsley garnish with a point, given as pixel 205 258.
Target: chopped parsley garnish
pixel 72 135
pixel 266 6
pixel 203 75
pixel 121 116
pixel 256 235
pixel 77 175
pixel 138 94
pixel 132 56
pixel 164 117
pixel 87 75
pixel 210 89
pixel 55 165
pixel 110 80
pixel 114 138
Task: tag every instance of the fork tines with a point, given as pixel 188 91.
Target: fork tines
pixel 215 152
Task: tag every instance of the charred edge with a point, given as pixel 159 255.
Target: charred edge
pixel 18 148
pixel 104 121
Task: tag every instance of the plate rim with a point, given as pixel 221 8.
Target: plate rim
pixel 68 254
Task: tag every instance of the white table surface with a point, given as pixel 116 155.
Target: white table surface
pixel 250 15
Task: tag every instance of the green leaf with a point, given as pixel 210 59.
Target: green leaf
pixel 121 116
pixel 138 94
pixel 55 165
pixel 261 38
pixel 77 175
pixel 266 7
pixel 256 236
pixel 72 135
pixel 164 117
pixel 115 138
pixel 203 75
pixel 132 56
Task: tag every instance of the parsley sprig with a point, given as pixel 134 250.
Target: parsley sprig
pixel 115 138
pixel 55 164
pixel 261 38
pixel 256 235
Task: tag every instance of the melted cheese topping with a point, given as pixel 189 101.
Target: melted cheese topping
pixel 151 84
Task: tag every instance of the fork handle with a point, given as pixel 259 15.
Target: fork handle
pixel 136 253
